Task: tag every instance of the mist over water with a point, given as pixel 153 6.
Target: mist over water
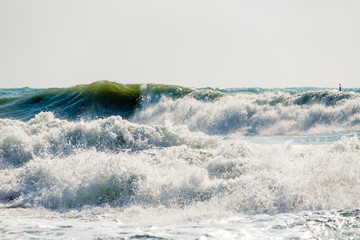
pixel 159 155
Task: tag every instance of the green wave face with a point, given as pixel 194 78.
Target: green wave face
pixel 328 98
pixel 105 98
pixel 99 99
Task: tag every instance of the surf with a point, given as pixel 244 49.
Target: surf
pixel 152 154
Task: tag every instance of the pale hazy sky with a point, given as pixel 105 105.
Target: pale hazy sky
pixel 195 43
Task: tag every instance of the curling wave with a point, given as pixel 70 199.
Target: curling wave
pixel 96 100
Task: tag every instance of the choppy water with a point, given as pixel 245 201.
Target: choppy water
pixel 107 160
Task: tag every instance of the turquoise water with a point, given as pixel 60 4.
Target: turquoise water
pixel 108 160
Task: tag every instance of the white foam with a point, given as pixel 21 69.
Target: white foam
pixel 145 170
pixel 235 177
pixel 46 135
pixel 269 113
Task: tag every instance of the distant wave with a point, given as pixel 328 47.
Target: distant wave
pixel 276 112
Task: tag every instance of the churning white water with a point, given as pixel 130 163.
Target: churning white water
pixel 241 166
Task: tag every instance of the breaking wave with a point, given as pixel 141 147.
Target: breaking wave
pixel 266 113
pixel 244 111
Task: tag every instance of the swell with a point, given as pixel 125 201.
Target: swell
pixel 94 100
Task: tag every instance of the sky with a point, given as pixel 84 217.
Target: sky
pixel 192 43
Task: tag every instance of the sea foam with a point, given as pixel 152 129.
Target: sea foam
pixel 113 162
pixel 270 113
pixel 179 154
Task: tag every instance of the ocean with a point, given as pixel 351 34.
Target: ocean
pixel 150 161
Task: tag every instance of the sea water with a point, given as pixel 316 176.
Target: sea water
pixel 113 161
